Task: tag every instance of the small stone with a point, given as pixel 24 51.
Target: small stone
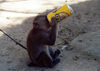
pixel 78 16
pixel 64 46
pixel 19 40
pixel 9 61
pixel 83 31
pixel 89 54
pixel 86 13
pixel 89 21
pixel 80 40
pixel 61 55
pixel 88 58
pixel 70 48
pixel 90 40
pixel 76 58
pixel 95 59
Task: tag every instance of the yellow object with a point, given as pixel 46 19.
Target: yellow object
pixel 60 13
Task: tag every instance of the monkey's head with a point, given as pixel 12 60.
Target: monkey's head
pixel 41 22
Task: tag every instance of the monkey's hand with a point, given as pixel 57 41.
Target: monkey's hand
pixel 53 21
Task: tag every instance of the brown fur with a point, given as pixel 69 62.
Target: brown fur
pixel 39 38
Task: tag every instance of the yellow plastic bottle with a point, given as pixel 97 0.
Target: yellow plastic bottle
pixel 60 13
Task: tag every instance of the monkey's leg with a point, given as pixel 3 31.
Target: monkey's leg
pixel 45 61
pixel 57 53
pixel 53 54
pixel 32 64
pixel 51 51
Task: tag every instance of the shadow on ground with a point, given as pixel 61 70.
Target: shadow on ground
pixel 85 19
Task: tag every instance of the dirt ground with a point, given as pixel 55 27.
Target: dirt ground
pixel 80 32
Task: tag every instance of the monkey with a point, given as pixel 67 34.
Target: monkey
pixel 39 40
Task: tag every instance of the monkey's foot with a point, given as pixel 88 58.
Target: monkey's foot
pixel 32 65
pixel 56 54
pixel 55 62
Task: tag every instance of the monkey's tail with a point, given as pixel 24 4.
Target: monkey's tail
pixel 13 39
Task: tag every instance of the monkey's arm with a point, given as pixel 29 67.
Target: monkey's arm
pixel 50 39
pixel 52 36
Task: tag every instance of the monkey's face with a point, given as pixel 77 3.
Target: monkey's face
pixel 41 22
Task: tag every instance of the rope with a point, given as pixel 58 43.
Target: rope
pixel 13 39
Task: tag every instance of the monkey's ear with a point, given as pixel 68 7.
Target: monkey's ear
pixel 36 25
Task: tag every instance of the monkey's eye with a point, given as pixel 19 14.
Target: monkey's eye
pixel 36 25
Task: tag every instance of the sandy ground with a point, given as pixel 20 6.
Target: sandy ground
pixel 81 32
